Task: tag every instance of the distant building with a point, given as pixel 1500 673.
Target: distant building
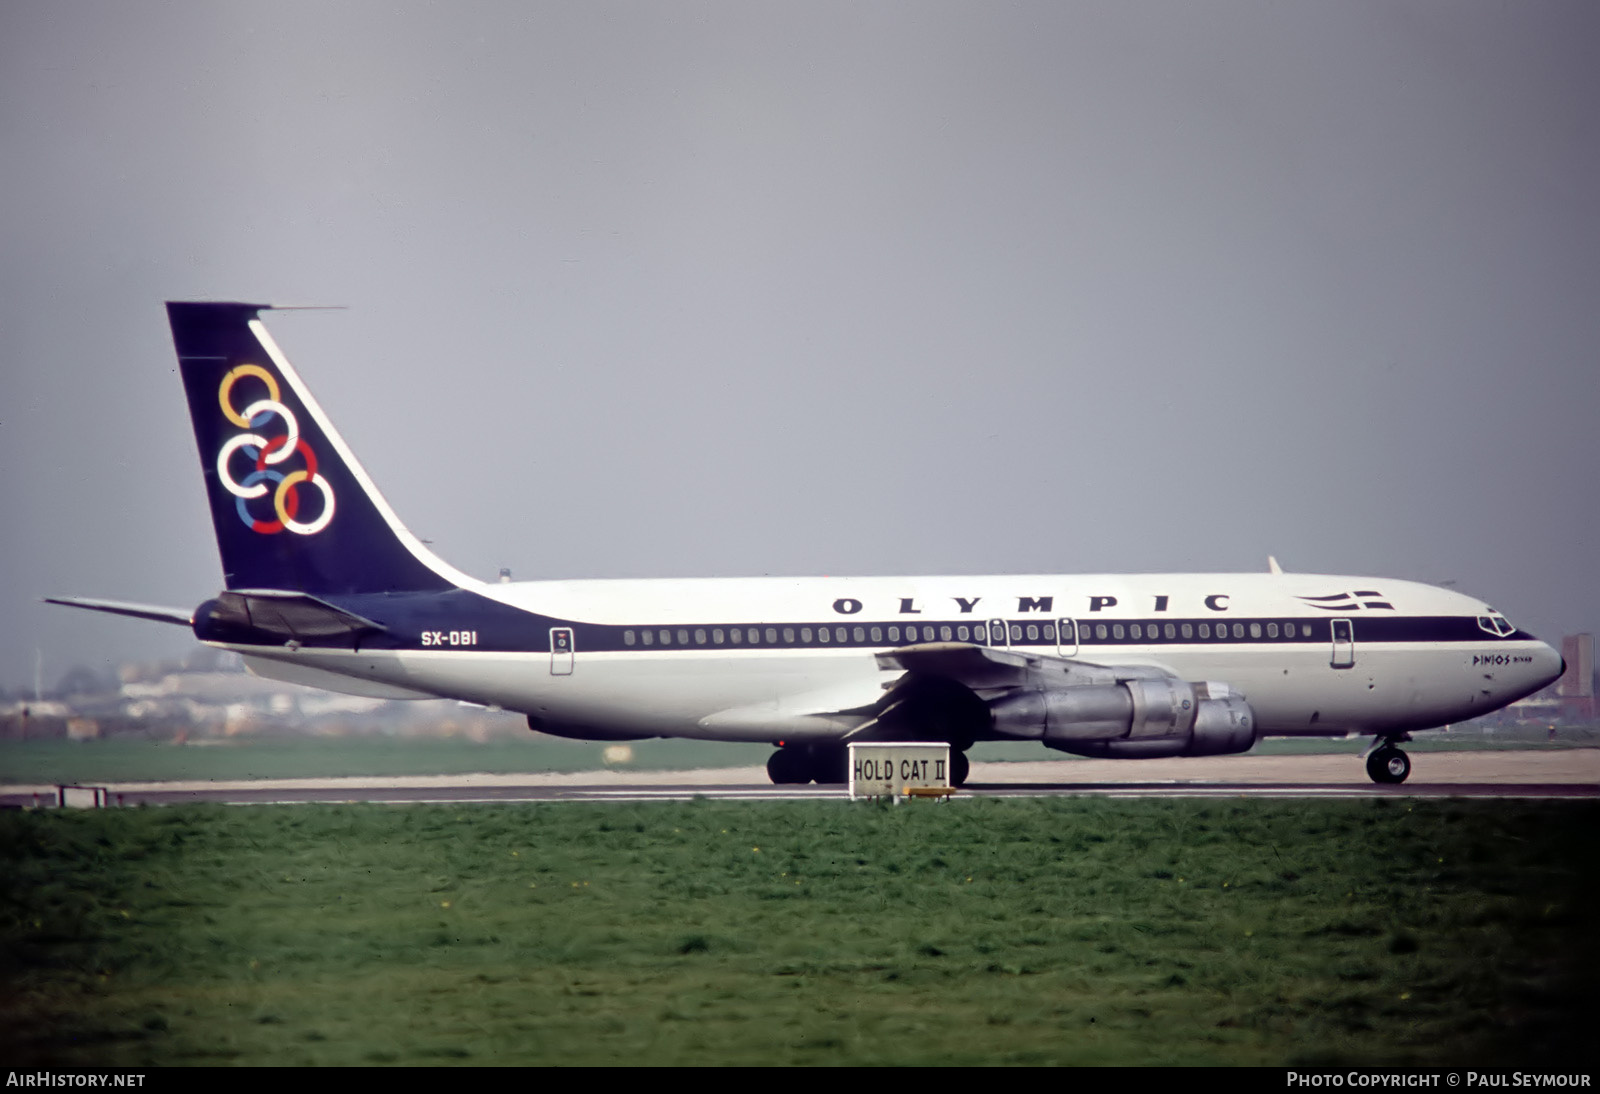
pixel 1568 701
pixel 1575 689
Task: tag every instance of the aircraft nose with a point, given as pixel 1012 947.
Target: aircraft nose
pixel 1550 665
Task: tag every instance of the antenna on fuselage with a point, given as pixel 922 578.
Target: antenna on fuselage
pixel 1272 566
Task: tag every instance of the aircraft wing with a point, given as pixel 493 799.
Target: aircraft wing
pixel 853 709
pixel 989 671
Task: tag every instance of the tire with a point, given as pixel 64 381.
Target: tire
pixel 1388 765
pixel 788 767
pixel 830 764
pixel 959 768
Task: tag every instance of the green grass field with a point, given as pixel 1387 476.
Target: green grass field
pixel 1078 931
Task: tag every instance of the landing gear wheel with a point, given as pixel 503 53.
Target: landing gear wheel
pixel 958 768
pixel 830 764
pixel 1388 765
pixel 789 767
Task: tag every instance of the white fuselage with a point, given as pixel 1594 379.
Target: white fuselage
pixel 1402 656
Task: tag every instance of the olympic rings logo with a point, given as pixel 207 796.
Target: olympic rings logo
pixel 267 455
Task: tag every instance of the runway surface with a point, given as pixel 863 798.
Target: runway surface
pixel 1569 773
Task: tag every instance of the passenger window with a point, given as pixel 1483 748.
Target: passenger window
pixel 963 633
pixel 717 635
pixel 1255 630
pixel 683 637
pixel 772 636
pixel 754 636
pixel 648 638
pixel 1238 630
pixel 860 635
pixel 735 635
pixel 1171 633
pixel 945 633
pixel 1205 630
pixel 700 636
pixel 822 634
pixel 1187 630
pixel 838 634
pixel 788 636
pixel 894 634
pixel 805 634
pixel 1116 630
pixel 877 634
pixel 1016 633
pixel 1272 630
pixel 1100 631
pixel 628 638
pixel 666 637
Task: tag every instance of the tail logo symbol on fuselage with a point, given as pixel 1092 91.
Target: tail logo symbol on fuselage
pixel 267 454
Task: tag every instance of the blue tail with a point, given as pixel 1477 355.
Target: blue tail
pixel 293 510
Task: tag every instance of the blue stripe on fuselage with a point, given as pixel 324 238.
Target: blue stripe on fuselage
pixel 444 620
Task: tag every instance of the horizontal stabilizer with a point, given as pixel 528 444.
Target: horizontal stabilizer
pixel 291 616
pixel 181 616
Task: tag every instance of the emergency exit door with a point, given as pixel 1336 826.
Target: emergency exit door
pixel 1344 644
pixel 560 651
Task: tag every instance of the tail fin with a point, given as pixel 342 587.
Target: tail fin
pixel 292 508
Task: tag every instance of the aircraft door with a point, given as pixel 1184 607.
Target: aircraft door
pixel 997 633
pixel 1344 644
pixel 1067 637
pixel 560 651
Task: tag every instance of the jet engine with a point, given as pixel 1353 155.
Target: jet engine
pixel 1161 716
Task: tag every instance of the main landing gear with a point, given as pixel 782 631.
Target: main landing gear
pixel 798 764
pixel 1386 763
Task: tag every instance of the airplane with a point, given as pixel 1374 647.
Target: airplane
pixel 324 586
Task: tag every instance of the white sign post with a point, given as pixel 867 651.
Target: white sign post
pixel 898 768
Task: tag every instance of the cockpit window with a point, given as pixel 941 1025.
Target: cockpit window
pixel 1495 623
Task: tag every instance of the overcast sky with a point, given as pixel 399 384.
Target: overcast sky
pixel 662 289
